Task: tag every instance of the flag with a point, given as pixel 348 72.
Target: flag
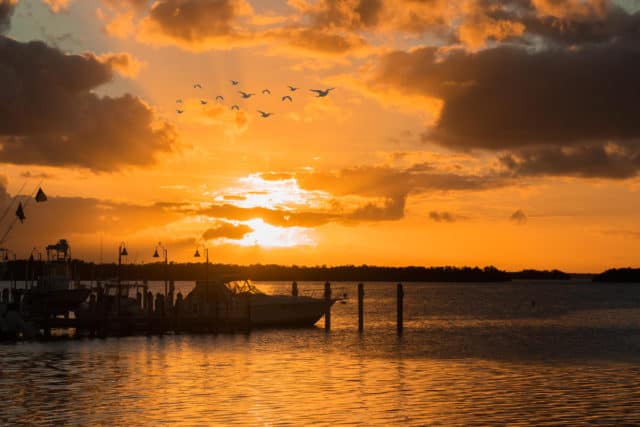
pixel 40 196
pixel 20 213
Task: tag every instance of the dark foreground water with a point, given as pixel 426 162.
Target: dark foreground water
pixel 472 354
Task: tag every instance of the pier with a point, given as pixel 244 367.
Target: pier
pixel 123 309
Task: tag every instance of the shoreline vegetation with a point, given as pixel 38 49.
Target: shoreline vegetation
pixel 81 270
pixel 619 275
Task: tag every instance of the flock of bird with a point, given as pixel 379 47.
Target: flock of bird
pixel 320 93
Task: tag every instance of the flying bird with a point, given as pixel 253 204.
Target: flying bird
pixel 264 114
pixel 179 111
pixel 284 98
pixel 219 98
pixel 234 82
pixel 321 93
pixel 292 88
pixel 197 86
pixel 235 107
pixel 203 102
pixel 266 92
pixel 246 95
pixel 178 101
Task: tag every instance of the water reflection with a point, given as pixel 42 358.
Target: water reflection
pixel 461 361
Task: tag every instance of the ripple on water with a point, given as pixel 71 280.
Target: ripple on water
pixel 470 355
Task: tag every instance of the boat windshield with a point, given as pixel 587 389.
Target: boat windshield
pixel 243 287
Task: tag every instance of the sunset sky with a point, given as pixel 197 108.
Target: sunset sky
pixel 468 132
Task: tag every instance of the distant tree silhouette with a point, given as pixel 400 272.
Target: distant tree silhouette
pixel 540 275
pixel 621 275
pixel 25 269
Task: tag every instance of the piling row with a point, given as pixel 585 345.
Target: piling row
pixel 157 314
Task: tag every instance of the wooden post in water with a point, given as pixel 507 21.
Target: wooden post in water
pixel 294 289
pixel 327 300
pixel 360 307
pixel 248 312
pixel 178 312
pixel 149 311
pixel 93 309
pixel 400 320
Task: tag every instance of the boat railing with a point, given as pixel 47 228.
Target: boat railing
pixel 336 292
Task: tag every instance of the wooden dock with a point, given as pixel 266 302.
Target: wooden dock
pixel 107 313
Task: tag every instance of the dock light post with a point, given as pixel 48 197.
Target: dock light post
pixel 122 251
pixel 206 268
pixel 166 263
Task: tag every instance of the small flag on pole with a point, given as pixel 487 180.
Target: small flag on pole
pixel 40 196
pixel 20 213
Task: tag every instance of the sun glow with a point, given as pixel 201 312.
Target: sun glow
pixel 270 236
pixel 282 193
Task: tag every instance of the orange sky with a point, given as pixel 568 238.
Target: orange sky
pixel 458 133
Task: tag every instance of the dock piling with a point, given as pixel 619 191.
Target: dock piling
pixel 360 307
pixel 400 320
pixel 327 300
pixel 294 289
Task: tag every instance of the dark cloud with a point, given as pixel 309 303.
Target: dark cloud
pixel 612 26
pixel 315 40
pixel 508 97
pixel 391 209
pixel 40 175
pixel 223 24
pixel 518 217
pixel 444 216
pixel 226 230
pixel 389 182
pixel 587 161
pixel 353 15
pixel 196 21
pixel 277 217
pixel 380 194
pixel 61 217
pixel 6 10
pixel 50 116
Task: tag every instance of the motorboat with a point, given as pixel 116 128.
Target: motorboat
pixel 54 293
pixel 242 301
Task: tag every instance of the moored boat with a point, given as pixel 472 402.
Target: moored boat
pixel 54 292
pixel 243 301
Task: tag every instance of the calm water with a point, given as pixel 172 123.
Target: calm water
pixel 520 353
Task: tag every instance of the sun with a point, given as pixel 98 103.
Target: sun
pixel 270 236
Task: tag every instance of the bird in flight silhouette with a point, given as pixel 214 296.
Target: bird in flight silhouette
pixel 203 102
pixel 321 93
pixel 197 86
pixel 287 97
pixel 178 101
pixel 264 114
pixel 179 111
pixel 219 98
pixel 266 92
pixel 246 95
pixel 292 88
pixel 235 107
pixel 234 82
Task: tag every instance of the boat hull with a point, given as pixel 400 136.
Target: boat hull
pixel 53 302
pixel 293 315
